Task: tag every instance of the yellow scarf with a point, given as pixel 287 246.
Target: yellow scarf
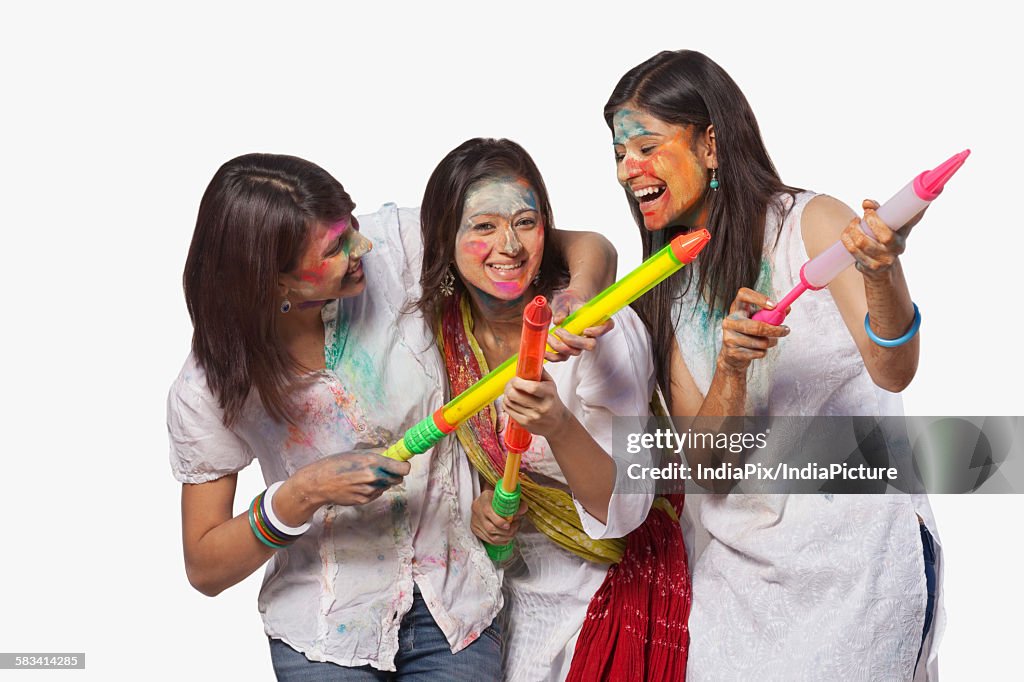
pixel 551 510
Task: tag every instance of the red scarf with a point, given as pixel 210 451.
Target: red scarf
pixel 636 624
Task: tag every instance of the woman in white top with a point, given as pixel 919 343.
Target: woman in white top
pixel 487 228
pixel 301 360
pixel 806 587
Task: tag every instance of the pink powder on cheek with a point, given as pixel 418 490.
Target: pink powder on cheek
pixel 475 248
pixel 509 287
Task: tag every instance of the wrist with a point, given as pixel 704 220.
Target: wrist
pixel 583 285
pixel 561 425
pixel 884 278
pixel 730 371
pixel 297 499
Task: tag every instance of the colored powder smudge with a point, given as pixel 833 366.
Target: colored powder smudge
pixel 503 196
pixel 341 628
pixel 475 248
pixel 494 304
pixel 509 287
pixel 315 276
pixel 626 126
pixel 764 278
pixel 358 369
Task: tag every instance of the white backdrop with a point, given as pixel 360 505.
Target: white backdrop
pixel 115 117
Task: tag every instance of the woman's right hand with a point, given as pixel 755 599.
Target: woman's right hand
pixel 743 339
pixel 489 526
pixel 347 479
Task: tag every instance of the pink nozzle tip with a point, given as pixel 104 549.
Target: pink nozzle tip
pixel 929 184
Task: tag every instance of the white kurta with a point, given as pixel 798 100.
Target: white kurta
pixel 547 589
pixel 339 593
pixel 805 587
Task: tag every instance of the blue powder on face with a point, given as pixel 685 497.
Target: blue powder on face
pixel 626 127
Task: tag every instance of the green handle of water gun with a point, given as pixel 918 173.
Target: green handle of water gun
pixel 506 505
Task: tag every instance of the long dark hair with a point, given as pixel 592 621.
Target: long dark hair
pixel 441 214
pixel 689 89
pixel 254 222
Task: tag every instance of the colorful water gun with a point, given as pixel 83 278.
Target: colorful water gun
pixel 532 343
pixel 677 253
pixel 897 212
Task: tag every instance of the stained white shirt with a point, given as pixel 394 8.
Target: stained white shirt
pixel 339 593
pixel 809 586
pixel 548 589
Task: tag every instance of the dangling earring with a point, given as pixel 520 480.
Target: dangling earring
pixel 448 282
pixel 286 305
pixel 714 184
pixel 536 279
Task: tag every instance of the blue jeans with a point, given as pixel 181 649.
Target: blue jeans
pixel 423 656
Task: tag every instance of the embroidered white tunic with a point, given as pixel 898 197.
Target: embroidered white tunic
pixel 805 587
pixel 339 593
pixel 548 589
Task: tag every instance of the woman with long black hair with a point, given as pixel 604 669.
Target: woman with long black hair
pixel 790 586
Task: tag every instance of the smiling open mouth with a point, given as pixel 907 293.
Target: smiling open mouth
pixel 506 270
pixel 649 194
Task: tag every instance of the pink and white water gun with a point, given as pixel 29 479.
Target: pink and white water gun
pixel 898 211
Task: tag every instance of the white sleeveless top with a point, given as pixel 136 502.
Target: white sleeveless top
pixel 810 586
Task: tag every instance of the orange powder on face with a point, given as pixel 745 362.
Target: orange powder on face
pixel 676 164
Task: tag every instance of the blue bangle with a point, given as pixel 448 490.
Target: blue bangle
pixel 892 343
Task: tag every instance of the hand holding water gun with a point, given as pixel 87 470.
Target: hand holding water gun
pixel 915 196
pixel 536 319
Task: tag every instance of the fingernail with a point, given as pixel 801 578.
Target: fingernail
pixel 786 328
pixel 769 303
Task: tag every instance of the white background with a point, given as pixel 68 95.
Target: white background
pixel 115 117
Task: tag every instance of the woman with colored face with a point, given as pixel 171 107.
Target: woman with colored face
pixel 787 586
pixel 488 249
pixel 302 359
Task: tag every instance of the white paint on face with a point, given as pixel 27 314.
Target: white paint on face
pixel 504 196
pixel 500 241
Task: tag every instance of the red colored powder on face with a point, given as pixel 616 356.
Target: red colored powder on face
pixel 315 276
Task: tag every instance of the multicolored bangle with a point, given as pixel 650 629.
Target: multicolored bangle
pixel 260 534
pixel 267 528
pixel 893 343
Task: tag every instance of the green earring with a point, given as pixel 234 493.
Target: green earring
pixel 714 184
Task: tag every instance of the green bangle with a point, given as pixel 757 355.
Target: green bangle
pixel 261 522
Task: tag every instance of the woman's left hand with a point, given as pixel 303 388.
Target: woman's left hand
pixel 535 405
pixel 876 257
pixel 565 345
